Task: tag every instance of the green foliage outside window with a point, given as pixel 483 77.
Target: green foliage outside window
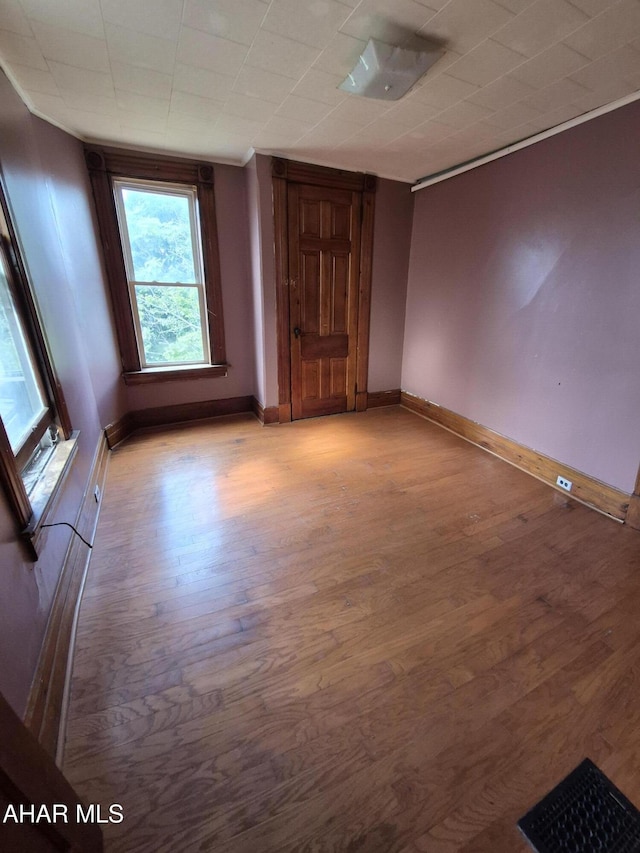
pixel 160 237
pixel 170 322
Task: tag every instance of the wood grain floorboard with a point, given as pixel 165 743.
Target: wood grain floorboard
pixel 356 633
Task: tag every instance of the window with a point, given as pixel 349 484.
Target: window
pixel 158 228
pixel 160 238
pixel 23 404
pixel 33 417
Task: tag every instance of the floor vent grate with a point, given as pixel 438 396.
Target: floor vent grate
pixel 585 813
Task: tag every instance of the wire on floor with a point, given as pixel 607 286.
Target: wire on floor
pixel 66 524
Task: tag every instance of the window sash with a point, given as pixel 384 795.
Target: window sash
pixel 173 190
pixel 33 423
pixel 138 326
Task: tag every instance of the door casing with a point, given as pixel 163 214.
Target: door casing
pixel 285 172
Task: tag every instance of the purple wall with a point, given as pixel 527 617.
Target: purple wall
pixel 265 288
pixel 67 185
pixel 235 270
pixel 255 242
pixel 523 301
pixel 391 244
pixel 45 179
pixel 263 277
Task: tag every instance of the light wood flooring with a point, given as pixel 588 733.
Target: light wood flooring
pixel 357 633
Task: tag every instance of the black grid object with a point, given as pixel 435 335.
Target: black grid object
pixel 585 813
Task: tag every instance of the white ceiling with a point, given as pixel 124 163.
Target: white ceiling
pixel 218 78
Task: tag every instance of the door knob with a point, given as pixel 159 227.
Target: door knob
pixel 297 332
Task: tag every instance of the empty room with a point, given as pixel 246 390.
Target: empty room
pixel 320 426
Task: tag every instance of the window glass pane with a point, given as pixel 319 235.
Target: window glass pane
pixel 170 324
pixel 159 235
pixel 22 402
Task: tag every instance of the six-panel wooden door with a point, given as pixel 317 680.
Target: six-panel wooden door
pixel 324 253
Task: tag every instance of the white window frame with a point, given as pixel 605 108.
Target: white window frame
pixel 24 350
pixel 189 192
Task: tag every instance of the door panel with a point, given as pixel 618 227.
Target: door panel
pixel 310 218
pixel 337 367
pixel 324 346
pixel 324 252
pixel 340 293
pixel 310 379
pixel 310 293
pixel 341 221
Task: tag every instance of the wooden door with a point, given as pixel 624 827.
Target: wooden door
pixel 324 273
pixel 31 784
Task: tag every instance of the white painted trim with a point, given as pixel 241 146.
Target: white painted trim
pixel 525 143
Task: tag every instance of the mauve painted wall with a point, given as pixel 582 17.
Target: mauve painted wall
pixel 523 303
pixel 67 182
pixel 235 270
pixel 263 277
pixel 391 245
pixel 267 283
pixel 255 243
pixel 44 176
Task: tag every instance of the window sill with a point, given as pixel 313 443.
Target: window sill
pixel 46 490
pixel 174 374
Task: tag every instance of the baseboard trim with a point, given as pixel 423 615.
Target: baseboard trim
pixel 48 696
pixel 184 412
pixel 167 415
pixel 266 416
pixel 118 430
pixel 377 399
pixel 586 489
pixel 633 513
pixel 141 419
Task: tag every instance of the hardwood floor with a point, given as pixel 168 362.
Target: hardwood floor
pixel 357 633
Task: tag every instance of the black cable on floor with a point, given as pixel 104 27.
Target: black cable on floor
pixel 66 524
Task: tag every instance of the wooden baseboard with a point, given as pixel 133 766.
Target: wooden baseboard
pixel 119 430
pixel 376 399
pixel 270 415
pixel 587 489
pixel 47 697
pixel 168 415
pixel 633 513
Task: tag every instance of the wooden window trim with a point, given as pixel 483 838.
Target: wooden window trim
pixel 105 164
pixel 12 482
pixel 174 374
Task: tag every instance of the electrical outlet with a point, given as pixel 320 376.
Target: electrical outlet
pixel 564 483
pixel 96 494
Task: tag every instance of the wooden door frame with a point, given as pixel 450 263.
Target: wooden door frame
pixel 633 511
pixel 29 777
pixel 283 173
